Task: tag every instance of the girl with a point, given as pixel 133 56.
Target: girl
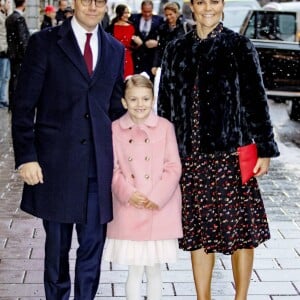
pixel 146 192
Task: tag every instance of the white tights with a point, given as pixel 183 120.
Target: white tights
pixel 134 279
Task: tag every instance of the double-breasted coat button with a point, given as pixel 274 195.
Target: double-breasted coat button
pixel 83 141
pixel 147 158
pixel 87 115
pixel 130 141
pixel 147 176
pixel 147 140
pixel 130 158
pixel 132 176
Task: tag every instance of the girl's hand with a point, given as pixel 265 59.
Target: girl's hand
pixel 138 200
pixel 151 205
pixel 262 166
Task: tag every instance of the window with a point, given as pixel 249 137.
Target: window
pixel 272 26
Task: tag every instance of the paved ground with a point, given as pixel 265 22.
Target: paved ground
pixel 276 273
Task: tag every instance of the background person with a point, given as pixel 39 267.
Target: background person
pixel 49 17
pixel 4 61
pixel 63 145
pixel 60 14
pixel 172 28
pixel 17 40
pixel 69 12
pixel 212 90
pixel 146 192
pixel 146 27
pixel 124 31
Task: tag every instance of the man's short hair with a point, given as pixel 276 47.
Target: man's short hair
pixel 19 3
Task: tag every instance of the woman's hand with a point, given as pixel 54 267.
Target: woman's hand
pixel 262 166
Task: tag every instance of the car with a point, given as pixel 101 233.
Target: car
pixel 235 12
pixel 275 33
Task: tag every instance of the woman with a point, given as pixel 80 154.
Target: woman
pixel 172 28
pixel 49 17
pixel 212 90
pixel 124 31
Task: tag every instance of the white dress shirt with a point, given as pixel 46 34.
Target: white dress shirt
pixel 80 34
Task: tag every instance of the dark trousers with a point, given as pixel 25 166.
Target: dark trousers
pixel 91 238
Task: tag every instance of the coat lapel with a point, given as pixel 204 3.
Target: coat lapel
pixel 102 62
pixel 70 47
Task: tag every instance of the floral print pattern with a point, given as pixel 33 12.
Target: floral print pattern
pixel 219 213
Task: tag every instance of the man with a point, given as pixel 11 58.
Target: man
pixel 17 40
pixel 60 14
pixel 63 143
pixel 4 62
pixel 146 25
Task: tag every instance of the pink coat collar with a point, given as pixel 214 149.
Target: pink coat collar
pixel 126 122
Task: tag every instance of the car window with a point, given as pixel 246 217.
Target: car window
pixel 272 26
pixel 235 12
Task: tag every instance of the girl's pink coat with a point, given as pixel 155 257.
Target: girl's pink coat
pixel 146 159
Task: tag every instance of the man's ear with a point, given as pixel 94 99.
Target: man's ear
pixel 124 103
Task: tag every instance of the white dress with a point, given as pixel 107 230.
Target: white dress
pixel 141 253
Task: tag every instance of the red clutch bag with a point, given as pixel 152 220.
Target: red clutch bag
pixel 247 160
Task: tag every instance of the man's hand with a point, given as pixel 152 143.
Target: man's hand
pixel 151 43
pixel 31 173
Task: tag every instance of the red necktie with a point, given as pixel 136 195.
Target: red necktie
pixel 88 55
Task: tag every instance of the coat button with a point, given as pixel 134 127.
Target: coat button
pixel 87 116
pixel 132 176
pixel 130 158
pixel 147 140
pixel 147 158
pixel 130 128
pixel 147 176
pixel 131 141
pixel 83 141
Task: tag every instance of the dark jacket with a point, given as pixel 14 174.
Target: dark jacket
pixel 47 22
pixel 166 34
pixel 143 56
pixel 73 113
pixel 60 16
pixel 17 36
pixel 233 102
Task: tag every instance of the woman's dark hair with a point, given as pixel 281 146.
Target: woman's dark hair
pixel 120 9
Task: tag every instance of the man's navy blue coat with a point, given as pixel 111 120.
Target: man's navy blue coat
pixel 60 112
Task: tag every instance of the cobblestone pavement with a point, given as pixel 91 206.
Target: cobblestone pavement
pixel 276 273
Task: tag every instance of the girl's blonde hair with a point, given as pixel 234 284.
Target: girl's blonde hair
pixel 138 80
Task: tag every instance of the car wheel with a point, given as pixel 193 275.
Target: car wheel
pixel 293 109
